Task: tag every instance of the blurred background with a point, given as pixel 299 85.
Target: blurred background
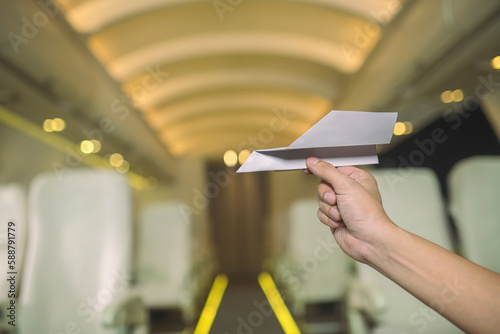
pixel 127 120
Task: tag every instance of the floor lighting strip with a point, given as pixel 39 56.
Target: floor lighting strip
pixel 278 305
pixel 212 305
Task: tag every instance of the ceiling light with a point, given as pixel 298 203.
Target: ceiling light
pixel 243 156
pixel 457 95
pixel 230 158
pixel 87 146
pixel 399 128
pixel 97 145
pixel 495 63
pixel 58 124
pixel 124 167
pixel 116 160
pixel 409 128
pixel 446 96
pixel 48 125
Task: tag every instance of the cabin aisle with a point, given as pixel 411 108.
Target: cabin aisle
pixel 245 310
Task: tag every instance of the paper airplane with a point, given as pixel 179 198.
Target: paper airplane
pixel 341 138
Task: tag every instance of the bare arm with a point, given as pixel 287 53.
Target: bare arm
pixel 463 292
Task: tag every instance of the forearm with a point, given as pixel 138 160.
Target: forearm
pixel 466 294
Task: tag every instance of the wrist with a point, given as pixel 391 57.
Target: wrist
pixel 380 250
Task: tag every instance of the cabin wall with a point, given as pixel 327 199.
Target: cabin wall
pixel 22 157
pixel 491 108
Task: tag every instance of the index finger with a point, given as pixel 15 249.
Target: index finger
pixel 329 173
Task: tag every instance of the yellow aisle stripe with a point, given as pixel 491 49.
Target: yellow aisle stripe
pixel 212 305
pixel 279 307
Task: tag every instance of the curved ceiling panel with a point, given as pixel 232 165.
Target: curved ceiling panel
pixel 250 122
pixel 197 145
pixel 201 83
pixel 94 15
pixel 228 44
pixel 189 79
pixel 195 18
pixel 208 80
pixel 307 109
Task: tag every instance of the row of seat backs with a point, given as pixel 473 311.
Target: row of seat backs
pixel 412 199
pixel 414 202
pixel 317 260
pixel 474 191
pixel 79 249
pixel 165 257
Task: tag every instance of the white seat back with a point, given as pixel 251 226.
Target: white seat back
pixel 79 251
pixel 413 202
pixel 320 266
pixel 474 190
pixel 164 256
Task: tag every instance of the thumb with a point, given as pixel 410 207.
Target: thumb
pixel 328 173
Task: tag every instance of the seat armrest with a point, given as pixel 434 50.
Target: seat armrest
pixel 283 263
pixel 125 311
pixel 366 298
pixel 363 301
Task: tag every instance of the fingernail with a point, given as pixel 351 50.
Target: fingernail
pixel 313 160
pixel 328 197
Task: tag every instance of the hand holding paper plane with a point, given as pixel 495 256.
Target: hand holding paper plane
pixel 341 138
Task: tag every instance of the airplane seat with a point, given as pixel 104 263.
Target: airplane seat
pixel 204 264
pixel 165 270
pixel 474 189
pixel 316 270
pixel 13 216
pixel 78 257
pixel 275 243
pixel 413 202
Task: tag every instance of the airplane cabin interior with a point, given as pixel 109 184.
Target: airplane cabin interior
pixel 123 124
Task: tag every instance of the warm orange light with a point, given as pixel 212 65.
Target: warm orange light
pixel 48 125
pixel 409 128
pixel 124 167
pixel 446 96
pixel 457 95
pixel 54 125
pixel 243 156
pixel 230 158
pixel 399 128
pixel 495 63
pixel 97 145
pixel 116 160
pixel 58 124
pixel 87 146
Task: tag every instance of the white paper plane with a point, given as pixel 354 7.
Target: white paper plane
pixel 341 138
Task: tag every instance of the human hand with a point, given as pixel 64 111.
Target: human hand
pixel 350 203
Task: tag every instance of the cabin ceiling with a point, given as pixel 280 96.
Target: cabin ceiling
pixel 209 75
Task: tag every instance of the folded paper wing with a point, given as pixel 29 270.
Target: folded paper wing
pixel 341 138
